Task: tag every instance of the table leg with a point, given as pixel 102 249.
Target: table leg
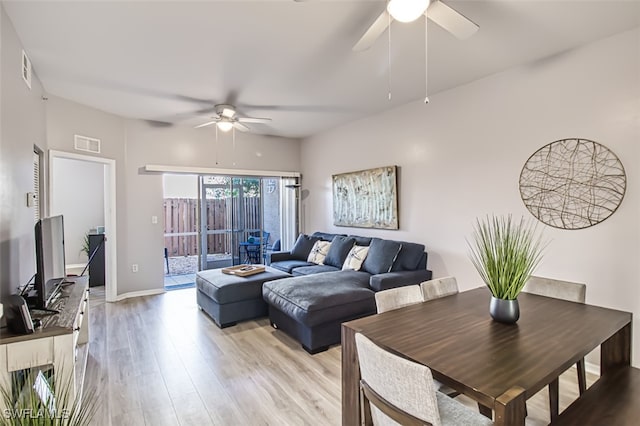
pixel 350 379
pixel 511 408
pixel 554 396
pixel 616 351
pixel 485 411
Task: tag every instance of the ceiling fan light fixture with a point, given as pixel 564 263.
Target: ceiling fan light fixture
pixel 224 126
pixel 407 10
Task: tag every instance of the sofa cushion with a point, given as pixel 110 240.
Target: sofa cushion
pixel 303 246
pixel 409 257
pixel 289 265
pixel 340 247
pixel 381 255
pixel 355 258
pixel 321 298
pixel 325 236
pixel 319 252
pixel 314 269
pixel 223 288
pixel 361 241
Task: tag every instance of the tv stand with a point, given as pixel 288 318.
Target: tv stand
pixel 61 341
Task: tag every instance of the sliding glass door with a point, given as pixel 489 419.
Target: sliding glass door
pixel 242 218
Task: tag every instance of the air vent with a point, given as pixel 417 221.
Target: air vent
pixel 26 69
pixel 85 143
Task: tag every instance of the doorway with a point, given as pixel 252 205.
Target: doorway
pixel 97 176
pixel 180 202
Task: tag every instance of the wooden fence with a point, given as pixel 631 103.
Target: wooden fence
pixel 181 219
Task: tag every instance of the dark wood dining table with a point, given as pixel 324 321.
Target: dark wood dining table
pixel 498 365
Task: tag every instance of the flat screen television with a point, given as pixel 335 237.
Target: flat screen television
pixel 50 262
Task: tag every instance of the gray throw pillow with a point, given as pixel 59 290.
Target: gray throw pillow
pixel 382 254
pixel 409 257
pixel 303 246
pixel 361 241
pixel 340 247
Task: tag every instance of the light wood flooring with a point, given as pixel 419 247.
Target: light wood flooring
pixel 159 360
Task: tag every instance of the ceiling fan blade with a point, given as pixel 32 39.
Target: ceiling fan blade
pixel 451 20
pixel 253 120
pixel 240 127
pixel 374 31
pixel 208 123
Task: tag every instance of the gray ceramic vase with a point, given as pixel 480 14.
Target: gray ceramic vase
pixel 505 311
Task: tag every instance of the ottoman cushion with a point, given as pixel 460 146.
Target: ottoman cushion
pixel 224 288
pixel 321 298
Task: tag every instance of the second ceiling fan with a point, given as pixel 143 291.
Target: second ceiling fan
pixel 410 10
pixel 227 118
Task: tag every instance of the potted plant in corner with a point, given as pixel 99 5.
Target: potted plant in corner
pixel 505 253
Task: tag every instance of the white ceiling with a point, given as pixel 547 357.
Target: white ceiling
pixel 166 61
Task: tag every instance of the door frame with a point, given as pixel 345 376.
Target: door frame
pixel 111 265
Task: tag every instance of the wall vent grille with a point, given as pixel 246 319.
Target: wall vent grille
pixel 85 143
pixel 26 69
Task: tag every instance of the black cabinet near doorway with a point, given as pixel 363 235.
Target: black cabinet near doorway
pixel 97 265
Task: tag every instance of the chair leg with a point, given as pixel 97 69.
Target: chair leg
pixel 554 390
pixel 582 376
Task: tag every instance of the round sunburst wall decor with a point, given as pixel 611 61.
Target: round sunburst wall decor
pixel 572 183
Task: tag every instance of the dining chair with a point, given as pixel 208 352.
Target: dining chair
pixel 395 298
pixel 399 297
pixel 435 289
pixel 572 292
pixel 394 390
pixel 439 287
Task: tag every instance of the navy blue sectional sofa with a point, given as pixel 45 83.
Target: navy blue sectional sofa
pixel 311 305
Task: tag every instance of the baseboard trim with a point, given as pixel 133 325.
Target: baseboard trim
pixel 139 294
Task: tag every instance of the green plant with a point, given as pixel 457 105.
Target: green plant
pixel 85 245
pixel 29 401
pixel 505 253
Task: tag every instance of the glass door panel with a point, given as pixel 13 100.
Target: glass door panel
pixel 216 248
pixel 241 219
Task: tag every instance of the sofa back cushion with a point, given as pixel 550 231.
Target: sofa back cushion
pixel 319 252
pixel 303 246
pixel 361 241
pixel 409 257
pixel 338 251
pixel 325 236
pixel 381 255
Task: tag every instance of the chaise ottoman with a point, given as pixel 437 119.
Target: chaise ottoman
pixel 230 298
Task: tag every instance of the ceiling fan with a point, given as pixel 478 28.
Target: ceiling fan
pixel 410 10
pixel 226 118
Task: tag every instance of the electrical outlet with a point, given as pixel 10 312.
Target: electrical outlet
pixel 134 267
pixel 154 220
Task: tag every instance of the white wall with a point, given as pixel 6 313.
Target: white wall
pixel 78 195
pixel 460 157
pixel 22 123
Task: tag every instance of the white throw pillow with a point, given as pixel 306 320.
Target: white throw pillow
pixel 319 252
pixel 355 258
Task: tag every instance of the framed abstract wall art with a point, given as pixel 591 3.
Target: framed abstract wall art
pixel 366 198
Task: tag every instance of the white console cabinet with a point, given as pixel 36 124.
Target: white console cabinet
pixel 61 341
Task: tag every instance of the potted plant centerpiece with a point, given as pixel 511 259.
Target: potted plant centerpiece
pixel 505 253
